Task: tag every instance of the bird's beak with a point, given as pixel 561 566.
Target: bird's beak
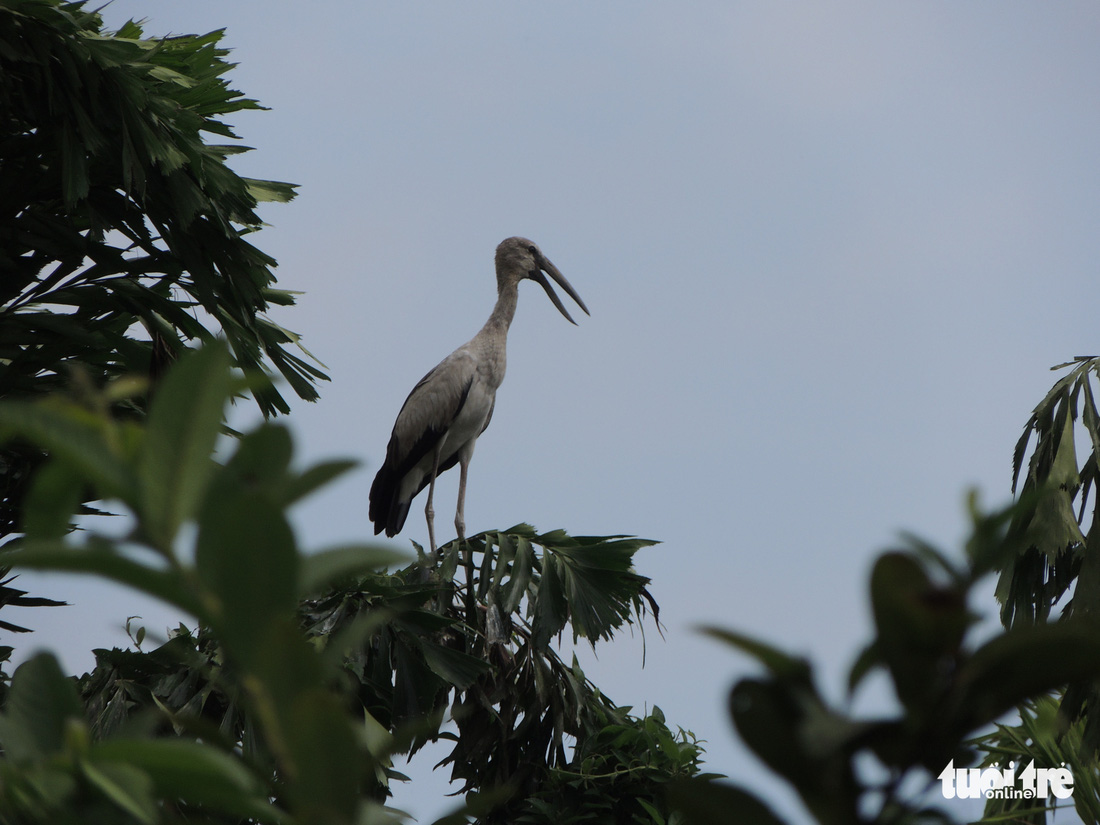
pixel 552 271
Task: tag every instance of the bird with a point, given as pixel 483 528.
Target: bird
pixel 451 406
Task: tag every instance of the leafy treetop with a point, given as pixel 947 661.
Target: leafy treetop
pixel 115 211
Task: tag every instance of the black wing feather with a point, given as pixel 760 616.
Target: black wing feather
pixel 387 511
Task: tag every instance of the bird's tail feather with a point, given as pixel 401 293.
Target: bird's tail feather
pixel 387 511
pixel 399 511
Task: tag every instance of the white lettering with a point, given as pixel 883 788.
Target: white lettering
pixel 947 776
pixel 991 779
pixel 1061 782
pixel 999 782
pixel 968 783
pixel 1027 778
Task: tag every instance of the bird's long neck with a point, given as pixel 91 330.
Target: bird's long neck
pixel 491 343
pixel 505 309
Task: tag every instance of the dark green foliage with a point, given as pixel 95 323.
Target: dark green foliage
pixel 118 221
pixel 1058 555
pixel 14 597
pixel 18 598
pixel 1043 737
pixel 948 691
pixel 413 654
pixel 308 671
pixel 260 687
pixel 616 775
pixel 1054 541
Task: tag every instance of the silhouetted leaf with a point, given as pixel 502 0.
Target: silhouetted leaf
pixel 53 498
pixel 522 568
pixel 459 669
pixel 704 802
pixel 102 559
pixel 246 556
pixel 315 477
pixel 918 624
pixel 184 422
pixel 775 660
pixel 327 567
pixel 1023 663
pixel 194 772
pixel 76 436
pixel 550 606
pixel 127 786
pixel 41 704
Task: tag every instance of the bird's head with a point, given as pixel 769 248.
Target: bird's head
pixel 519 258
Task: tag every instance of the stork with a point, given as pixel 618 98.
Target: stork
pixel 445 413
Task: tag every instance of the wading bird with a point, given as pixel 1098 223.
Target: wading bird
pixel 445 413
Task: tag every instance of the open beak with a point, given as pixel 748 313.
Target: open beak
pixel 552 271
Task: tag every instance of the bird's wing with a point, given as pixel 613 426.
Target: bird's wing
pixel 489 417
pixel 433 404
pixel 427 413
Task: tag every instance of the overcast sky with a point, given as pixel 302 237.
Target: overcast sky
pixel 830 252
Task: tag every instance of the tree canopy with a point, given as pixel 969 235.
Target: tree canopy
pixel 124 233
pixel 115 209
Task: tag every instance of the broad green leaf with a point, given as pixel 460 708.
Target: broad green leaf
pixel 1086 595
pixel 717 803
pixel 550 605
pixel 787 725
pixel 448 562
pixel 1022 663
pixel 247 560
pixel 195 773
pixel 184 422
pixel 317 476
pixel 769 717
pixel 507 552
pixel 54 496
pixel 416 687
pixel 868 659
pixel 126 786
pixel 262 461
pixel 41 703
pixel 86 443
pixel 599 585
pixel 779 663
pixel 522 567
pixel 376 737
pixel 1091 418
pixel 1053 526
pixel 918 624
pixel 328 764
pixel 458 668
pixel 102 559
pixel 271 190
pixel 1063 470
pixel 324 568
pixel 485 574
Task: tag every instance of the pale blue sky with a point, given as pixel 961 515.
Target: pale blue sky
pixel 830 251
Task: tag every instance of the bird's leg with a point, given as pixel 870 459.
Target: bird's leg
pixel 429 513
pixel 460 526
pixel 460 521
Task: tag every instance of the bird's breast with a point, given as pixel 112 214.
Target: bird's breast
pixel 491 362
pixel 471 419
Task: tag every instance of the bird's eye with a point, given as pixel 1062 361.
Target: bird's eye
pixel 533 249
